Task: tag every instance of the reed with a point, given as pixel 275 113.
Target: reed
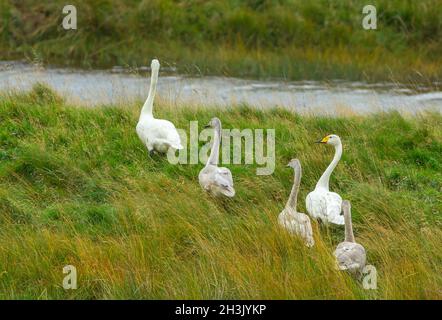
pixel 290 39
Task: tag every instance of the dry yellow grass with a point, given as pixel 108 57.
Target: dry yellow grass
pixel 77 187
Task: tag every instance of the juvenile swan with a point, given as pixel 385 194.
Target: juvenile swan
pixel 350 255
pixel 321 203
pixel 158 135
pixel 218 181
pixel 296 222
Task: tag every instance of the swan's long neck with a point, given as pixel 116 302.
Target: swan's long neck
pixel 148 105
pixel 349 236
pixel 293 198
pixel 325 178
pixel 214 153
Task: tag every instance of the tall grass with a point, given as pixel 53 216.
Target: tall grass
pixel 293 39
pixel 77 187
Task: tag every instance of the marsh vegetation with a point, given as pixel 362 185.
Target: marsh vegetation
pixel 77 187
pixel 291 39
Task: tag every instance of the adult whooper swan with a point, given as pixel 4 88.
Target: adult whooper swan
pixel 158 135
pixel 296 222
pixel 322 203
pixel 216 180
pixel 350 256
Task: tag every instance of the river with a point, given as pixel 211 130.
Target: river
pixel 119 85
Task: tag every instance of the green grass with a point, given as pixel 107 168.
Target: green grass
pixel 77 187
pixel 290 39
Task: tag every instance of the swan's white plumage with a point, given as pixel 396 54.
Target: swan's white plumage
pixel 350 256
pixel 296 223
pixel 156 134
pixel 213 179
pixel 325 205
pixel 321 203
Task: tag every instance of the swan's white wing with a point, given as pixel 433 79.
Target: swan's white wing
pixel 316 205
pixel 326 206
pixel 140 129
pixel 173 137
pixel 224 172
pixel 161 128
pixel 159 132
pixel 334 208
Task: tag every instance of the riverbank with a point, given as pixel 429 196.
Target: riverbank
pixel 77 187
pixel 294 40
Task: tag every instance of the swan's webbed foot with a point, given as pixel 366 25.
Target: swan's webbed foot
pixel 151 153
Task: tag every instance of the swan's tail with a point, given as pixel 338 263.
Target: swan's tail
pixel 228 191
pixel 177 146
pixel 339 220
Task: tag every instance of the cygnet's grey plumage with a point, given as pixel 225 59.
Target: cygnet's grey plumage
pixel 350 256
pixel 216 180
pixel 296 222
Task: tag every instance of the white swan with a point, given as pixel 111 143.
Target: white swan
pixel 157 134
pixel 296 222
pixel 350 256
pixel 321 203
pixel 217 181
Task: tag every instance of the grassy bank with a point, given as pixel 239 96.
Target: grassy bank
pixel 77 187
pixel 290 39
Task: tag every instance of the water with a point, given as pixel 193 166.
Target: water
pixel 118 86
